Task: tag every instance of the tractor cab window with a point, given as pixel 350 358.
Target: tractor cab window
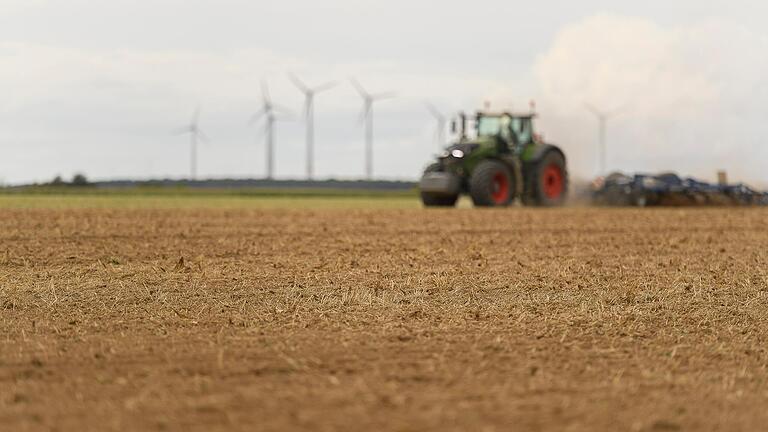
pixel 506 129
pixel 522 128
pixel 488 126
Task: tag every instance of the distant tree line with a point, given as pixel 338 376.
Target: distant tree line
pixel 351 186
pixel 77 180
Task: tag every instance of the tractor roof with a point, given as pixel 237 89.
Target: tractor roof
pixel 507 113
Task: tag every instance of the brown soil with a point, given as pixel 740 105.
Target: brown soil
pixel 569 319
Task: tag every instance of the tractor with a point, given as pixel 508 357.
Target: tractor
pixel 503 159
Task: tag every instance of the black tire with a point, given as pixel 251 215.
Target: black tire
pixel 640 200
pixel 437 200
pixel 492 184
pixel 546 181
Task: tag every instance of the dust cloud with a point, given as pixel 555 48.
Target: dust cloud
pixel 688 99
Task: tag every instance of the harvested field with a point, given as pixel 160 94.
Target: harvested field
pixel 388 319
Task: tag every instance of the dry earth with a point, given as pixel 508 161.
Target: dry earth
pixel 568 319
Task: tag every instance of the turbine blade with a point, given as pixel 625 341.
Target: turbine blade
pixel 257 116
pixel 265 92
pixel 592 109
pixel 196 115
pixel 182 130
pixel 324 87
pixel 298 83
pixel 282 109
pixel 364 94
pixel 618 110
pixel 203 137
pixel 435 112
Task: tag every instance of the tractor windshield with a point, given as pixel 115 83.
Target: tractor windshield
pixel 488 126
pixel 511 129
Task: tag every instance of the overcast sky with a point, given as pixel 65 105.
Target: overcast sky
pixel 98 86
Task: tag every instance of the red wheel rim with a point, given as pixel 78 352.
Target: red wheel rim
pixel 553 181
pixel 500 188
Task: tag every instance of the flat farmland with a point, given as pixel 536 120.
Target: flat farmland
pixel 351 318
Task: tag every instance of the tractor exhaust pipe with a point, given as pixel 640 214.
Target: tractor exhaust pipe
pixel 460 127
pixel 722 178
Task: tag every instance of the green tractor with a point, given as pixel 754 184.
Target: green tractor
pixel 503 160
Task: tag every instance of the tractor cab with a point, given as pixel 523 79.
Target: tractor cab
pixel 507 130
pixel 514 130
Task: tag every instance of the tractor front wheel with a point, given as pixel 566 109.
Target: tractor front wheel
pixel 431 199
pixel 492 184
pixel 437 200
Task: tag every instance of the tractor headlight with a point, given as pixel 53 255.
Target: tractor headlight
pixel 458 154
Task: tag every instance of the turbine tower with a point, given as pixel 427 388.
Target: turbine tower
pixel 442 122
pixel 195 135
pixel 268 112
pixel 309 117
pixel 602 120
pixel 367 116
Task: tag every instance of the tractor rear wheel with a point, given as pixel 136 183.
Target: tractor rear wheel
pixel 547 181
pixel 492 184
pixel 437 200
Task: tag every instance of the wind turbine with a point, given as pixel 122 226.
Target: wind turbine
pixel 442 122
pixel 268 112
pixel 602 119
pixel 195 135
pixel 309 116
pixel 367 116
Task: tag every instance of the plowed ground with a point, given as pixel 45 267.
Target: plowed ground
pixel 568 319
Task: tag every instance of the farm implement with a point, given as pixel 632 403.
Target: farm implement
pixel 669 189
